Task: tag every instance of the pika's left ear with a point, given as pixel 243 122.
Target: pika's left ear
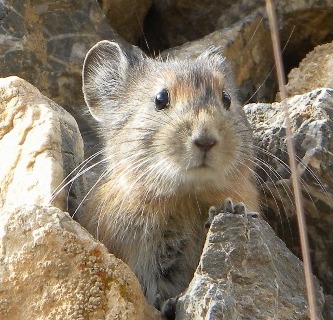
pixel 105 71
pixel 212 55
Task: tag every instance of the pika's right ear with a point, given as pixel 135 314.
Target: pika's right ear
pixel 104 71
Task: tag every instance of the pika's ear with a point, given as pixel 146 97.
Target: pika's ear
pixel 105 69
pixel 213 56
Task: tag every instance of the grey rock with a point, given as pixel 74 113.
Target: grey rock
pixel 328 310
pixel 312 123
pixel 176 22
pixel 246 272
pixel 180 21
pixel 45 42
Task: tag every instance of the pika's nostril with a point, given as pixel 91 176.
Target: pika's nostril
pixel 205 143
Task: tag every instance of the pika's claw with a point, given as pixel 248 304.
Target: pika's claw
pixel 227 206
pixel 211 214
pixel 240 209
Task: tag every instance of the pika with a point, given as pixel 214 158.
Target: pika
pixel 176 142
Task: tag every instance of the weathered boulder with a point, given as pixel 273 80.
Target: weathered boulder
pixel 246 272
pixel 180 21
pixel 40 144
pixel 328 310
pixel 312 123
pixel 176 22
pixel 126 16
pixel 314 71
pixel 51 268
pixel 45 42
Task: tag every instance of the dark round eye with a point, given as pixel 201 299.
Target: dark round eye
pixel 226 99
pixel 162 100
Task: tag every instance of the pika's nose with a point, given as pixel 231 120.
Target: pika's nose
pixel 205 143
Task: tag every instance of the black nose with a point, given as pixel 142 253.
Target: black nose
pixel 205 143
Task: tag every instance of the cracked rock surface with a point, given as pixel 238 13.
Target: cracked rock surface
pixel 245 272
pixel 312 122
pixel 52 269
pixel 40 144
pixel 314 71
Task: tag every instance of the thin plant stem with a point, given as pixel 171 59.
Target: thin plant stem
pixel 292 162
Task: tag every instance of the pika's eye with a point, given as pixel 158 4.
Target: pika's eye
pixel 226 99
pixel 162 100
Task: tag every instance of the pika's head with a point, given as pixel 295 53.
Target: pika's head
pixel 168 126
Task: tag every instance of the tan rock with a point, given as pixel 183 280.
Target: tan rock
pixel 51 268
pixel 314 71
pixel 40 144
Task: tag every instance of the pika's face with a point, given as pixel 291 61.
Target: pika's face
pixel 171 126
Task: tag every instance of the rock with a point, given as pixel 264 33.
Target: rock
pixel 45 42
pixel 175 22
pixel 303 26
pixel 180 21
pixel 246 272
pixel 314 71
pixel 126 16
pixel 51 268
pixel 328 310
pixel 40 144
pixel 312 122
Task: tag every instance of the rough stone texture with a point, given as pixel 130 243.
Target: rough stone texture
pixel 51 268
pixel 246 272
pixel 314 71
pixel 126 16
pixel 179 21
pixel 45 42
pixel 306 24
pixel 40 144
pixel 247 47
pixel 312 122
pixel 175 22
pixel 328 310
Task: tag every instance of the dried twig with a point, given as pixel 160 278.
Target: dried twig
pixel 292 162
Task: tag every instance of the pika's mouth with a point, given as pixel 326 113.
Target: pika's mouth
pixel 203 165
pixel 199 162
pixel 199 165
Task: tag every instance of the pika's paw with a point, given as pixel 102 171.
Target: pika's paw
pixel 229 207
